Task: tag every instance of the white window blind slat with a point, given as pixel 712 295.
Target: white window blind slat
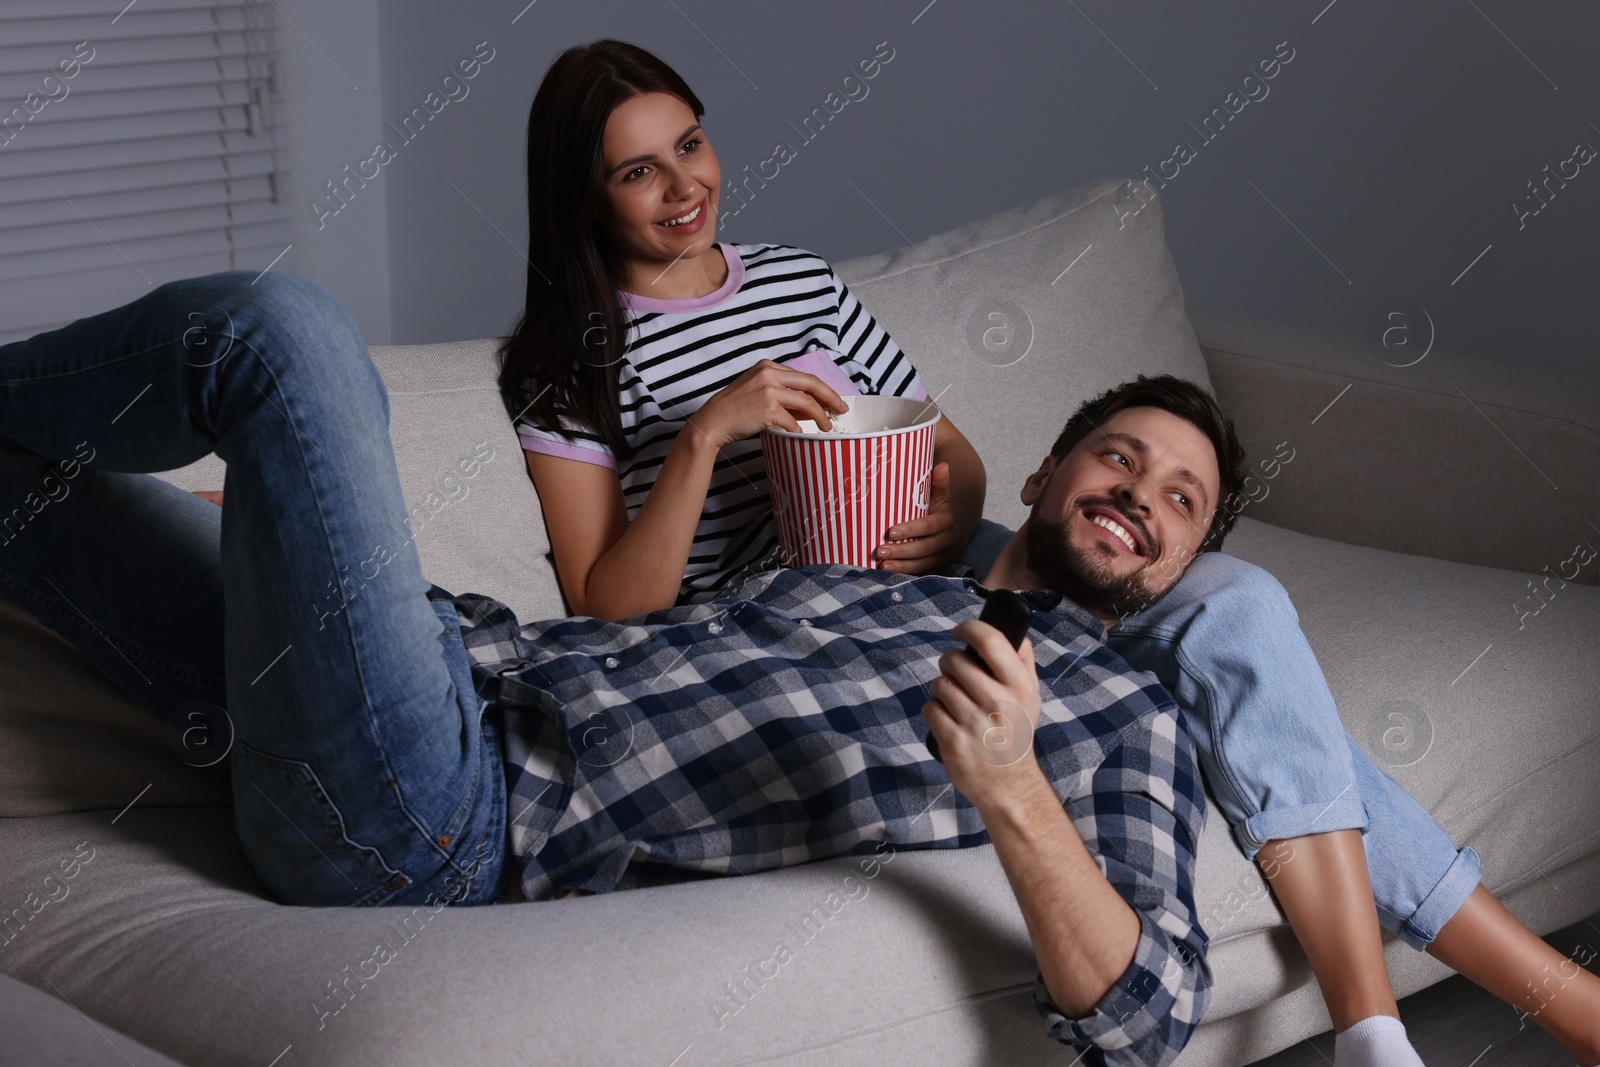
pixel 256 247
pixel 90 182
pixel 205 43
pixel 65 263
pixel 36 305
pixel 162 156
pixel 123 230
pixel 158 149
pixel 234 69
pixel 18 220
pixel 149 258
pixel 35 10
pixel 84 132
pixel 141 20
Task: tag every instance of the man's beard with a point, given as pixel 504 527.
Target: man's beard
pixel 1085 575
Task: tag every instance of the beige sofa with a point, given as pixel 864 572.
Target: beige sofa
pixel 1419 505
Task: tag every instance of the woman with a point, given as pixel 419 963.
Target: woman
pixel 649 356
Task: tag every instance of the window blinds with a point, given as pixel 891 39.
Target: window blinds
pixel 139 143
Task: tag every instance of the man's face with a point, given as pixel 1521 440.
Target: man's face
pixel 1117 519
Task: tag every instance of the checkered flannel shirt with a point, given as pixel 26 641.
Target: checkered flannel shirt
pixel 781 722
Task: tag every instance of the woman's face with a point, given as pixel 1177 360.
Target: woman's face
pixel 659 167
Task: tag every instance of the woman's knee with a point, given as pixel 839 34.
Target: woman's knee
pixel 231 304
pixel 301 311
pixel 296 326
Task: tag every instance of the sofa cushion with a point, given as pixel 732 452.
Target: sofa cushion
pixel 1017 318
pixel 44 1031
pixel 929 961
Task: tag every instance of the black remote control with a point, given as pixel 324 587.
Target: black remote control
pixel 1008 612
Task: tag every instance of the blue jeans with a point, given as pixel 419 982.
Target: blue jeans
pixel 1226 642
pixel 363 769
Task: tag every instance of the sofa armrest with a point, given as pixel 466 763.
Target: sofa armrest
pixel 1455 457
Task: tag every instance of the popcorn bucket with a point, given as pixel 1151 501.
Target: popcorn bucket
pixel 835 494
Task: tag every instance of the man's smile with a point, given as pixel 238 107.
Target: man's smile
pixel 1118 530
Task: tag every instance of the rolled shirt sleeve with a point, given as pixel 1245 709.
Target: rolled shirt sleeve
pixel 1140 817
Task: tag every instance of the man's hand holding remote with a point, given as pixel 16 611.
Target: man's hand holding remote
pixel 981 718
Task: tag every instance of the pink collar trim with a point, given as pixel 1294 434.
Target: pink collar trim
pixel 735 279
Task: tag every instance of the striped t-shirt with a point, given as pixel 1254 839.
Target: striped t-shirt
pixel 779 303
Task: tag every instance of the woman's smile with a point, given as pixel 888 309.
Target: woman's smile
pixel 688 222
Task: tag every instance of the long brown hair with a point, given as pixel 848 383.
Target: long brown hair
pixel 563 356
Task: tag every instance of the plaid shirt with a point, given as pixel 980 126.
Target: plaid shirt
pixel 781 723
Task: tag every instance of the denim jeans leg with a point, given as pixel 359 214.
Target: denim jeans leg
pixel 362 771
pixel 1226 642
pixel 1419 877
pixel 141 594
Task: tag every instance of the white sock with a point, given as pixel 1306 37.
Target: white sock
pixel 1376 1041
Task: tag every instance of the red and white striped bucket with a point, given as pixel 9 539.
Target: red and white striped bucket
pixel 836 494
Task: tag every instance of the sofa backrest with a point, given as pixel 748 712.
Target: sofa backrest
pixel 1016 319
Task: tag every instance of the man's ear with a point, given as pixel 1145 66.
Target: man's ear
pixel 1033 488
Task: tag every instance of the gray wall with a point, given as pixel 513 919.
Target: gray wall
pixel 1392 147
pixel 336 107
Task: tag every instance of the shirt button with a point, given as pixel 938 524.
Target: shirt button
pixel 805 622
pixel 714 627
pixel 612 663
pixel 896 597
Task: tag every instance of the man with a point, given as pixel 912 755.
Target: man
pixel 782 722
pixel 777 724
